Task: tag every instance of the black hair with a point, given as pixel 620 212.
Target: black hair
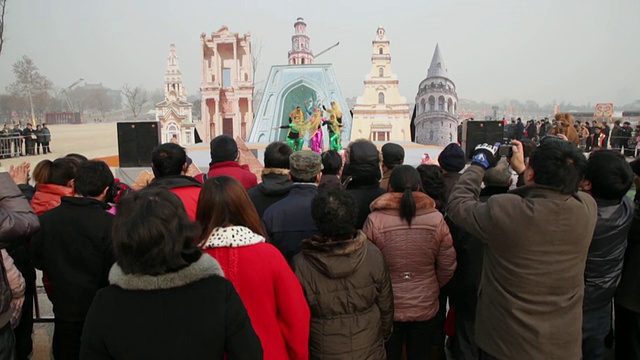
pixel 152 234
pixel 333 214
pixel 405 179
pixel 92 178
pixel 331 162
pixel 610 175
pixel 78 157
pixel 276 155
pixel 558 165
pixel 168 159
pixel 432 181
pixel 63 170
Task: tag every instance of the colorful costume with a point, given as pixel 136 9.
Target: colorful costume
pixel 315 126
pixel 293 136
pixel 334 126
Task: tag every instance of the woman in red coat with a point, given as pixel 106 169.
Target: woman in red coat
pixel 233 235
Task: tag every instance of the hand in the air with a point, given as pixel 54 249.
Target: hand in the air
pixel 486 155
pixel 20 173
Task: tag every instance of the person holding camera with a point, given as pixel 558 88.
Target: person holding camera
pixel 74 248
pixel 537 238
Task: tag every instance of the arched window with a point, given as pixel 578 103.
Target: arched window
pixel 380 51
pixel 302 61
pixel 381 98
pixel 423 105
pixel 432 103
pixel 430 135
pixel 381 72
pixel 441 103
pixel 433 85
pixel 450 106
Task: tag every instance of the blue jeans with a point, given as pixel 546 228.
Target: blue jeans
pixel 7 343
pixel 596 324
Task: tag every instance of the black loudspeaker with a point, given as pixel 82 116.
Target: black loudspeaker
pixel 479 132
pixel 136 141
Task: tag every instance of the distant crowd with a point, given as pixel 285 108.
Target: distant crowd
pixel 341 255
pixel 28 141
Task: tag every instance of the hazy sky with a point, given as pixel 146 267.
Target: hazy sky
pixel 573 50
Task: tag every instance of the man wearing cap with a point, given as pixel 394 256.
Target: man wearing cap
pixel 224 162
pixel 29 141
pixel 289 220
pixel 452 161
pixel 169 163
pixel 392 156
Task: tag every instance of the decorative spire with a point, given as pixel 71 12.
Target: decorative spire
pixel 437 67
pixel 172 61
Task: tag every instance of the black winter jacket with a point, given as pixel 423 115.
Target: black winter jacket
pixel 289 221
pixel 193 313
pixel 628 292
pixel 606 252
pixel 274 187
pixel 74 248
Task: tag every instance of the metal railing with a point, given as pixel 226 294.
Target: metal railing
pixel 11 146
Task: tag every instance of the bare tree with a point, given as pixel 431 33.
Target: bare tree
pixel 100 100
pixel 135 98
pixel 29 83
pixel 256 54
pixel 3 5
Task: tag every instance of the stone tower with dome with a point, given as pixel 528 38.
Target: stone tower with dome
pixel 436 122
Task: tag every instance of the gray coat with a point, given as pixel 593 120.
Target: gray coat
pixel 532 286
pixel 17 222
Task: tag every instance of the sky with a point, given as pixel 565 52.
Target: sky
pixel 578 51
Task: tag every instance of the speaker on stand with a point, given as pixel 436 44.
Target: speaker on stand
pixel 136 141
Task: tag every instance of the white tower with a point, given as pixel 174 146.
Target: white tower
pixel 381 114
pixel 436 122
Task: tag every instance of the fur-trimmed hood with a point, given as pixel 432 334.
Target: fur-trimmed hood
pixel 335 259
pixel 205 267
pixel 275 182
pixel 232 236
pixel 391 201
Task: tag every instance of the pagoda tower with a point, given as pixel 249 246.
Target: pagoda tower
pixel 381 114
pixel 300 52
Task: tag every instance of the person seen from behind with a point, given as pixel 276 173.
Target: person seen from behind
pixel 357 318
pixel 169 165
pixel 608 178
pixel 331 169
pixel 275 183
pixel 537 238
pixel 232 233
pixel 224 161
pixel 74 248
pixel 166 299
pixel 415 241
pixel 392 156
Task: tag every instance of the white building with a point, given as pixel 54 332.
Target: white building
pixel 436 122
pixel 174 112
pixel 381 114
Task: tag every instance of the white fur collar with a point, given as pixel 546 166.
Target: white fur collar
pixel 232 236
pixel 205 266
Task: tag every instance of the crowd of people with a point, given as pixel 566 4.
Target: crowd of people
pixel 347 254
pixel 590 135
pixel 28 141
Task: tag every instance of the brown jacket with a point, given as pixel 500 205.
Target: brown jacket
pixel 531 291
pixel 347 286
pixel 421 258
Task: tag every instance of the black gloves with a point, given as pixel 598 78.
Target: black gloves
pixel 486 155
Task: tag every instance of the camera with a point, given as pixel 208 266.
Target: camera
pixel 505 150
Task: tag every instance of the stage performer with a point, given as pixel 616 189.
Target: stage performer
pixel 334 125
pixel 293 136
pixel 315 131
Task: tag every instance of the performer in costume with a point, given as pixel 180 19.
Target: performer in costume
pixel 293 136
pixel 334 125
pixel 315 126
